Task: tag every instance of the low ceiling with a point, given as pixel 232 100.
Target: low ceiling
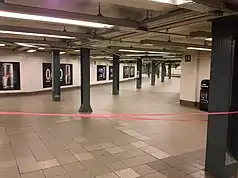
pixel 138 24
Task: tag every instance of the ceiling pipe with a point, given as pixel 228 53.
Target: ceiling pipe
pixel 69 15
pixel 176 44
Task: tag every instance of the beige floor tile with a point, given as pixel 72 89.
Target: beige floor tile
pixel 117 166
pixel 54 172
pixel 28 164
pixel 155 175
pixel 114 150
pixel 127 173
pixel 11 172
pixel 109 175
pixel 144 170
pixel 160 155
pixel 186 168
pixel 140 144
pixel 48 164
pixel 84 156
pixel 73 167
pixel 37 174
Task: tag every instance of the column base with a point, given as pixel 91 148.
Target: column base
pixel 85 109
pixel 56 98
pixel 115 93
pixel 138 87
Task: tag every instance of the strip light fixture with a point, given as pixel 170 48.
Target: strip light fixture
pixel 173 2
pixel 35 34
pixel 208 39
pixel 199 49
pixel 62 52
pixel 31 51
pixel 139 51
pixel 2 45
pixel 40 18
pixel 25 45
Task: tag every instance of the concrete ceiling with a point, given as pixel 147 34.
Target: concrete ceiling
pixel 167 26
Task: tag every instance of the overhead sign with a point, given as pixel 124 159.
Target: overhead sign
pixel 66 75
pixel 188 58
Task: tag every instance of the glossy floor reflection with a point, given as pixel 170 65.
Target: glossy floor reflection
pixel 115 147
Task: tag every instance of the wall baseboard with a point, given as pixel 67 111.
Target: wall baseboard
pixel 47 91
pixel 189 103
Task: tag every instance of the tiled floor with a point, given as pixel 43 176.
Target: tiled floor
pixel 116 147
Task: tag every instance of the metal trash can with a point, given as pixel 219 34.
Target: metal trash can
pixel 204 95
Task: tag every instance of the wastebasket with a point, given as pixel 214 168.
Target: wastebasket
pixel 204 95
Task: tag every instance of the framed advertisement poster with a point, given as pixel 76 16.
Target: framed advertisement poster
pixel 10 76
pixel 132 71
pixel 66 74
pixel 110 72
pixel 126 71
pixel 101 72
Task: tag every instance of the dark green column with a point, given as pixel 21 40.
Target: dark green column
pixel 158 70
pixel 153 69
pixel 116 75
pixel 85 81
pixel 222 130
pixel 56 75
pixel 148 69
pixel 169 70
pixel 139 73
pixel 163 72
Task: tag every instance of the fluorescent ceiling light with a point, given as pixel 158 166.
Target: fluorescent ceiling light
pixel 31 51
pixel 136 55
pixel 208 39
pixel 41 48
pixel 138 51
pixel 35 34
pixel 62 52
pixel 40 18
pixel 174 2
pixel 199 49
pixel 2 45
pixel 77 50
pixel 25 45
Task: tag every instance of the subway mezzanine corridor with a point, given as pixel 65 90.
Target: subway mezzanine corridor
pixel 125 146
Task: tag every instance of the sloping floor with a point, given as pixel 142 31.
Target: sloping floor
pixel 125 137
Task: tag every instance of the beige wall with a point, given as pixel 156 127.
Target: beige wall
pixel 31 75
pixel 192 73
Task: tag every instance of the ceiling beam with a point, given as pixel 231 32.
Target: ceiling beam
pixel 69 15
pixel 204 34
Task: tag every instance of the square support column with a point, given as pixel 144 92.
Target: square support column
pixel 222 130
pixel 153 68
pixel 116 75
pixel 139 73
pixel 148 69
pixel 85 81
pixel 163 72
pixel 169 71
pixel 158 70
pixel 56 96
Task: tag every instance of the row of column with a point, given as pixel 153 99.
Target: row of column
pixel 151 70
pixel 85 77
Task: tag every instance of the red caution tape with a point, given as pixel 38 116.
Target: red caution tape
pixel 150 117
